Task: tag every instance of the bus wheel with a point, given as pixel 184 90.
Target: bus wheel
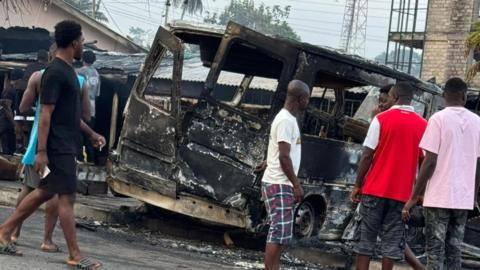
pixel 306 220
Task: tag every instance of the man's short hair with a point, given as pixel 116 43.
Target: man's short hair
pixel 42 55
pixel 66 32
pixel 386 89
pixel 455 85
pixel 89 57
pixel 404 89
pixel 16 74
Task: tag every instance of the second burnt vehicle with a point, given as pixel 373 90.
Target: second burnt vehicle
pixel 191 142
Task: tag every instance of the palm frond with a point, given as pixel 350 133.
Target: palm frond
pixel 190 6
pixel 15 6
pixel 473 39
pixel 472 71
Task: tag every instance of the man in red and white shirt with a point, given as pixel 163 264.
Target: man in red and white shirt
pixel 386 175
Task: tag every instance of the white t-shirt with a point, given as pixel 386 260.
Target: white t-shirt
pixel 284 129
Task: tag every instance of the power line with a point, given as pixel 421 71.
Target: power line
pixel 328 22
pixel 339 13
pixel 134 16
pixel 143 9
pixel 111 18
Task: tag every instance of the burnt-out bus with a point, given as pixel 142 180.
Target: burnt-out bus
pixel 191 141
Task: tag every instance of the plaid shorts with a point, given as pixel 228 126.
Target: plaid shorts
pixel 279 202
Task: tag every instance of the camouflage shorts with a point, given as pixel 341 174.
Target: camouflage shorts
pixel 444 229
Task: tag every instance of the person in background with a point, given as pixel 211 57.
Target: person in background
pixel 92 79
pixel 449 177
pixel 384 103
pixel 9 97
pixel 385 182
pixel 41 63
pixel 280 185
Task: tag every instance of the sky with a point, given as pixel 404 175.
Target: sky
pixel 317 22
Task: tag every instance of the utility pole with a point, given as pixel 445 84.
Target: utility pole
pixel 93 9
pixel 354 27
pixel 167 7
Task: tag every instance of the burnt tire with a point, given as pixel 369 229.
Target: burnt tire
pixel 306 220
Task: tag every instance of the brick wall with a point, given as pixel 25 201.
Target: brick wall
pixel 448 24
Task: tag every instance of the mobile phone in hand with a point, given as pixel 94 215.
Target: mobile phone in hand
pixel 45 173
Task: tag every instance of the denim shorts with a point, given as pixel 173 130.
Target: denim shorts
pixel 381 217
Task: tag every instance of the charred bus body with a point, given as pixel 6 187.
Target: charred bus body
pixel 196 156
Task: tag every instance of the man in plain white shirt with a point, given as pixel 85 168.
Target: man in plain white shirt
pixel 280 185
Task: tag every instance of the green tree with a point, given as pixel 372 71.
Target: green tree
pixel 189 6
pixel 86 7
pixel 472 45
pixel 140 36
pixel 265 19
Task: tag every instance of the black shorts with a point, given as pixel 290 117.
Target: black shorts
pixel 381 217
pixel 62 178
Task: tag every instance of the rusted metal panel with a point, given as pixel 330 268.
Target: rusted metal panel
pixel 186 205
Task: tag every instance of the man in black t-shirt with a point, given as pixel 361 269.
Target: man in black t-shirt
pixel 59 128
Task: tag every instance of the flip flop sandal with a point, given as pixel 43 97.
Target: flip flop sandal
pixel 53 249
pixel 85 264
pixel 10 249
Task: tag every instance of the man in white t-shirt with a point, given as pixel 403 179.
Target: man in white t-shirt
pixel 280 185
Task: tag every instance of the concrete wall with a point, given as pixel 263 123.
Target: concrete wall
pixel 448 24
pixel 46 16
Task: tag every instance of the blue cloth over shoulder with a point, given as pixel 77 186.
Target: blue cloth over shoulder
pixel 29 157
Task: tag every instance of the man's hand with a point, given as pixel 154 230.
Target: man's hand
pixel 356 194
pixel 406 209
pixel 261 167
pixel 298 193
pixel 97 140
pixel 41 162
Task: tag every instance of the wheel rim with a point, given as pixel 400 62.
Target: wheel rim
pixel 304 220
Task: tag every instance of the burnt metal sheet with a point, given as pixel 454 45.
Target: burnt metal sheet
pixel 150 129
pixel 328 160
pixel 221 149
pixel 24 39
pixel 338 213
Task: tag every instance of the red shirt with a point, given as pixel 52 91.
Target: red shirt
pixel 395 136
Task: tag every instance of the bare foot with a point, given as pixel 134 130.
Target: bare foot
pixel 5 239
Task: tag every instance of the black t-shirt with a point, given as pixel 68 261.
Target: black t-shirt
pixel 60 87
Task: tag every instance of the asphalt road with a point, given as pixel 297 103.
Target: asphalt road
pixel 115 250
